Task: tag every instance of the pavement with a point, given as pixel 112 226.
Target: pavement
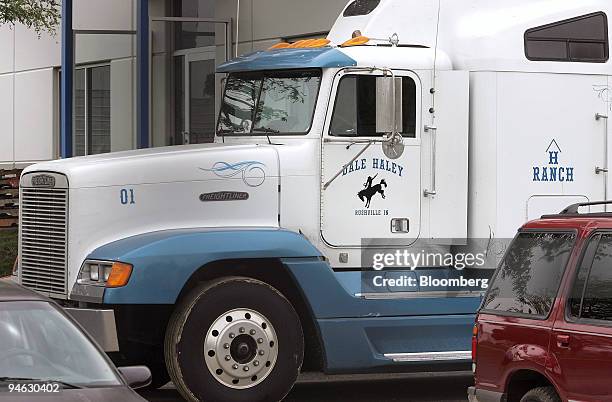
pixel 421 387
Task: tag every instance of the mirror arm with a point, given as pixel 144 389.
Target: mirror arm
pixel 369 144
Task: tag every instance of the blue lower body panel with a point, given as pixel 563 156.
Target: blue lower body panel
pixel 360 344
pixel 357 333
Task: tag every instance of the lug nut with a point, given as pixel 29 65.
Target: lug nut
pixel 256 363
pixel 226 346
pixel 259 340
pixel 228 358
pixel 242 330
pixel 261 352
pixel 246 368
pixel 235 367
pixel 252 332
pixel 231 335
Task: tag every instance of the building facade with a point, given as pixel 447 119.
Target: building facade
pixel 126 74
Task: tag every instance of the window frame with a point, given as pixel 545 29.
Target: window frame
pixel 399 73
pixel 86 70
pixel 568 41
pixel 569 318
pixel 483 310
pixel 264 74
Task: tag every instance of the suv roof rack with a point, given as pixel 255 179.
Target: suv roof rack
pixel 572 210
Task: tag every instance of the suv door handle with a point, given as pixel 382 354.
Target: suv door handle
pixel 563 341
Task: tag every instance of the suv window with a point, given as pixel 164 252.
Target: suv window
pixel 355 109
pixel 591 296
pixel 528 277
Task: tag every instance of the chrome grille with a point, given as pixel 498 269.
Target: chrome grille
pixel 43 235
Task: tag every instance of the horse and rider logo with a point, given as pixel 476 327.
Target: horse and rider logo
pixel 370 191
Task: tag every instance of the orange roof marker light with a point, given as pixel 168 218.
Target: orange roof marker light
pixel 280 45
pixel 359 40
pixel 302 44
pixel 318 43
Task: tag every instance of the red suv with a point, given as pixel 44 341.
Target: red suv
pixel 544 329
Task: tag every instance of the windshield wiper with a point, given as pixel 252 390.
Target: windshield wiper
pixel 267 131
pixel 64 384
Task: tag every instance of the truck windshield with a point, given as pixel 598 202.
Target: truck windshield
pixel 278 102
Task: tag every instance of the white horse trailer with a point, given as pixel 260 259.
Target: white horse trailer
pixel 539 93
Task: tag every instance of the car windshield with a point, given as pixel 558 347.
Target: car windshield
pixel 265 103
pixel 38 342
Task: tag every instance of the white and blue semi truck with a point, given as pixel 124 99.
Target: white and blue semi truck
pixel 230 267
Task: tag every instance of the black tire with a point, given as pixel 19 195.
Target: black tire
pixel 541 394
pixel 159 373
pixel 200 309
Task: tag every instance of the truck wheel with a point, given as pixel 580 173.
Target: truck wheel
pixel 541 394
pixel 236 340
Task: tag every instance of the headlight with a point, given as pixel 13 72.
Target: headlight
pixel 105 273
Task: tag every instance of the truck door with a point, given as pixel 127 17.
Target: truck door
pixel 375 196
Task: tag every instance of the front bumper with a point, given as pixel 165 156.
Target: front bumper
pixel 100 324
pixel 483 395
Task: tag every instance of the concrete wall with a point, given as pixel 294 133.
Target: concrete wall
pixel 28 92
pixel 264 22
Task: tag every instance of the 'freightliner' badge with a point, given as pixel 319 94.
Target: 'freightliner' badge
pixel 224 196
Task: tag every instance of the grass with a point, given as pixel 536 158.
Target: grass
pixel 8 251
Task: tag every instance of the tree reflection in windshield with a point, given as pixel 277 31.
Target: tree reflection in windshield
pixel 275 102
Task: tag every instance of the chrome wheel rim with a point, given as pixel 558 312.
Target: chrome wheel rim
pixel 241 348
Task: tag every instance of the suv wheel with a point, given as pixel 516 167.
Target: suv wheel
pixel 541 394
pixel 234 340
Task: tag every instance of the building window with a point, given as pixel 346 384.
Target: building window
pixel 92 110
pixel 188 35
pixel 360 7
pixel 580 39
pixel 355 109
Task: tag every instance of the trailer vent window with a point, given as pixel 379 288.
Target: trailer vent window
pixel 580 39
pixel 360 7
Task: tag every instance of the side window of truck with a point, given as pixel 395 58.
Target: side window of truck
pixel 355 107
pixel 581 39
pixel 528 278
pixel 591 297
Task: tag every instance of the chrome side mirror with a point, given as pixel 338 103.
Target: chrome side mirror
pixel 393 145
pixel 388 104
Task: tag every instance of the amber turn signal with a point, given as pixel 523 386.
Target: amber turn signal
pixel 119 275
